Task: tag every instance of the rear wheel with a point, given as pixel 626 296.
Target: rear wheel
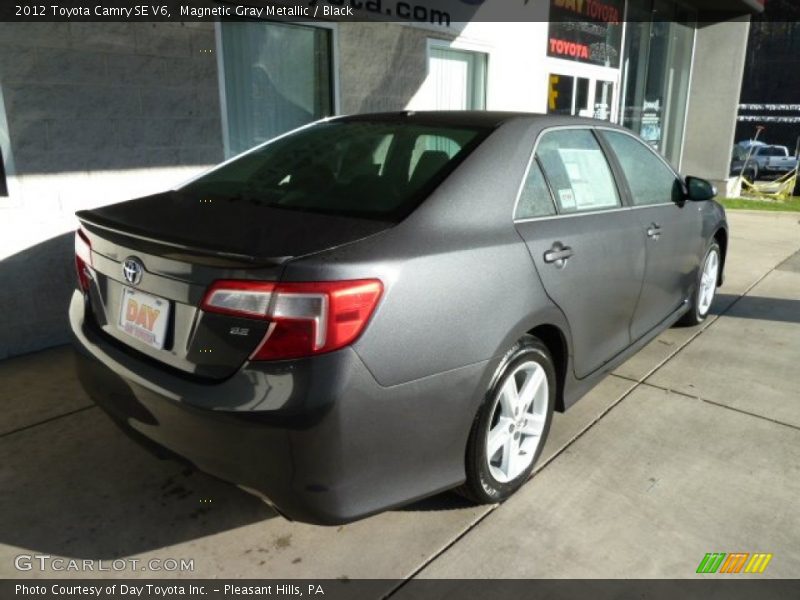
pixel 706 287
pixel 511 426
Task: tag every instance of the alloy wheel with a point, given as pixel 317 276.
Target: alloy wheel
pixel 708 283
pixel 517 422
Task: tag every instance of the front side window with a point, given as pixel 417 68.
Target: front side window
pixel 649 179
pixel 277 77
pixel 577 170
pixel 371 169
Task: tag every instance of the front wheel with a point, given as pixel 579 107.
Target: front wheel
pixel 706 287
pixel 511 426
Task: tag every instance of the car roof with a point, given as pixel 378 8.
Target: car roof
pixel 469 118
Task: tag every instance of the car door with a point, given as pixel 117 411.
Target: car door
pixel 587 246
pixel 672 226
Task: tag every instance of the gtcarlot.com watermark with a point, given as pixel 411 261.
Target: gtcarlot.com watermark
pixel 45 562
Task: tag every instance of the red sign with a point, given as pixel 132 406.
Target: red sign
pixel 566 48
pixel 594 9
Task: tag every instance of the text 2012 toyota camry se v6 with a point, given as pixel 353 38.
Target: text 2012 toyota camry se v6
pixel 373 309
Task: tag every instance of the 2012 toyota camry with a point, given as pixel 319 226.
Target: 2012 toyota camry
pixel 373 309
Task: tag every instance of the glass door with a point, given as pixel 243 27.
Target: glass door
pixel 603 101
pixel 576 95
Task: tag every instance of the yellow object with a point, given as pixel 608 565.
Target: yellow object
pixel 780 189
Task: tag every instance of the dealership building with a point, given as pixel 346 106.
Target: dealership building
pixel 94 113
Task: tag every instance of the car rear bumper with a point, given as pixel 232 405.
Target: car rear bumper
pixel 318 437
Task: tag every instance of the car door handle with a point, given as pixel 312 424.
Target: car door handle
pixel 558 254
pixel 654 231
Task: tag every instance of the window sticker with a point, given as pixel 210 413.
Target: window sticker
pixel 567 199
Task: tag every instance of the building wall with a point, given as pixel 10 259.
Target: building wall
pixel 714 99
pixel 517 64
pixel 382 65
pixel 96 113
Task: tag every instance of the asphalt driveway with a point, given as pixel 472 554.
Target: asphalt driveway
pixel 692 446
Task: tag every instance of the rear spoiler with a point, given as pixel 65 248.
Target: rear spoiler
pixel 173 248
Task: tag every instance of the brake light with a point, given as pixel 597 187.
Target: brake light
pixel 83 259
pixel 306 318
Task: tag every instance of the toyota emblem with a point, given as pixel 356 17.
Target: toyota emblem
pixel 132 270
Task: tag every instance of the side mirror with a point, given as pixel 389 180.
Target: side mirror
pixel 698 189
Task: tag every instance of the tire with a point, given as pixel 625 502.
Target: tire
pixel 493 479
pixel 701 302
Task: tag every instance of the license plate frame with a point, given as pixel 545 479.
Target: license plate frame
pixel 143 317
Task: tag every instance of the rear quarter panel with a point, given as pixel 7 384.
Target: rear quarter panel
pixel 460 286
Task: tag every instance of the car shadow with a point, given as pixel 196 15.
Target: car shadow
pixel 75 486
pixel 36 281
pixel 439 502
pixel 757 307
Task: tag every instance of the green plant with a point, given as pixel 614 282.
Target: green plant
pixel 791 204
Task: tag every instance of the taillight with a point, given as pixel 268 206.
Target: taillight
pixel 83 259
pixel 306 318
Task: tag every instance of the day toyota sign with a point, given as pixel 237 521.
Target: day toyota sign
pixel 587 31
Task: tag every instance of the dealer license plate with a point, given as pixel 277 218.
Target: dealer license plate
pixel 144 317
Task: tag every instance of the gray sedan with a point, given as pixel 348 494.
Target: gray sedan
pixel 373 309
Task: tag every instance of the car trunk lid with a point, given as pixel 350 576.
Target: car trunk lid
pixel 181 245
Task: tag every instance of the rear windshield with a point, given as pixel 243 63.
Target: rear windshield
pixel 378 170
pixel 772 151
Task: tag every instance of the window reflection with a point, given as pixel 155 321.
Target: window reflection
pixel 658 57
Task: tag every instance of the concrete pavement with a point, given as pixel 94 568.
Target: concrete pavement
pixel 692 446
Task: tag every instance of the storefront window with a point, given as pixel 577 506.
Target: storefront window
pixel 655 72
pixel 277 77
pixel 587 32
pixel 457 79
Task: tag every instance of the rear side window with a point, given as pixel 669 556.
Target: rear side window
pixel 535 199
pixel 372 169
pixel 577 170
pixel 649 179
